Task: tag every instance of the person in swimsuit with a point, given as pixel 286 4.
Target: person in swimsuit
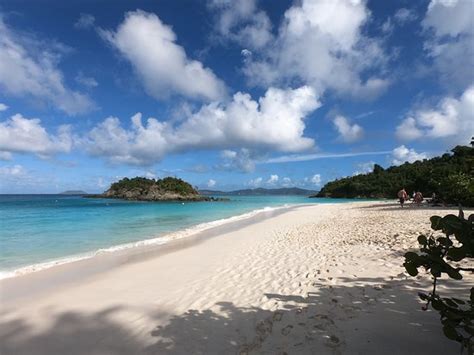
pixel 402 196
pixel 418 198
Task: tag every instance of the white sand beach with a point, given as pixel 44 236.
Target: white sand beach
pixel 323 279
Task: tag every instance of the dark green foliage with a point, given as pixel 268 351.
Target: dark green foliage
pixel 168 184
pixel 441 254
pixel 450 176
pixel 378 169
pixel 134 183
pixel 176 185
pixel 459 188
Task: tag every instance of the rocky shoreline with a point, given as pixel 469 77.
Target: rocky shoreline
pixel 161 198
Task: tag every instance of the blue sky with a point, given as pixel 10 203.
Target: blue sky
pixel 228 94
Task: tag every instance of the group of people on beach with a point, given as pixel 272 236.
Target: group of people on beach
pixel 417 197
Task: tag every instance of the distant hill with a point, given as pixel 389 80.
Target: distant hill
pixel 212 192
pixel 143 189
pixel 261 191
pixel 73 192
pixel 450 177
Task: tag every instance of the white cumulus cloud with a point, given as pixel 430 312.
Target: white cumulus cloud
pixel 6 156
pixel 452 119
pixel 274 122
pixel 85 21
pixel 29 68
pixel 161 64
pixel 12 171
pixel 245 53
pixel 322 44
pixel 87 81
pixel 450 27
pixel 348 132
pixel 243 160
pixel 22 135
pixel 211 183
pixel 404 15
pixel 242 22
pixel 3 107
pixel 286 182
pixel 273 179
pixel 364 168
pixel 315 179
pixel 408 130
pixel 255 182
pixel 403 154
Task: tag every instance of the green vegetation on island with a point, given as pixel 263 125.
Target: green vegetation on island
pixel 143 189
pixel 450 177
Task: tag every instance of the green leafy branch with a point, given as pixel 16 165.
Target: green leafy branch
pixel 442 254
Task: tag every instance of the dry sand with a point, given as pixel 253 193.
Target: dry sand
pixel 324 279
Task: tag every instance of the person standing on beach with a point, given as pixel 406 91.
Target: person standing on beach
pixel 402 196
pixel 418 198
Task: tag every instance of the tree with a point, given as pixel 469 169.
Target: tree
pixel 377 169
pixel 450 253
pixel 450 177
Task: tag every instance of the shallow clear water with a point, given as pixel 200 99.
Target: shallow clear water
pixel 39 228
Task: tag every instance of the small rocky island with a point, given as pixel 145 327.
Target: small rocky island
pixel 143 189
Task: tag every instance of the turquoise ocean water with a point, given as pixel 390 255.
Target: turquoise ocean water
pixel 35 229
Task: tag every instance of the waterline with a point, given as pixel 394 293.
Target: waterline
pixel 157 241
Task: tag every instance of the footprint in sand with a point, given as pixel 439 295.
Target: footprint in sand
pixel 287 329
pixel 277 316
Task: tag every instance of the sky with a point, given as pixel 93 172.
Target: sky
pixel 228 94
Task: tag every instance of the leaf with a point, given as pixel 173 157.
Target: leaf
pixel 437 304
pixel 411 269
pixel 422 240
pixel 450 332
pixel 423 296
pixel 457 254
pixel 458 301
pixel 470 219
pixel 451 224
pixel 411 256
pixel 435 222
pixel 454 316
pixel 454 274
pixel 445 241
pixel 450 302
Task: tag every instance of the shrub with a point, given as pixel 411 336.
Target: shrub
pixel 449 253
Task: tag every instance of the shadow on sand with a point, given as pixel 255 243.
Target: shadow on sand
pixel 410 206
pixel 362 316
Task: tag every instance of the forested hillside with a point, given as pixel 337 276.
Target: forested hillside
pixel 450 176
